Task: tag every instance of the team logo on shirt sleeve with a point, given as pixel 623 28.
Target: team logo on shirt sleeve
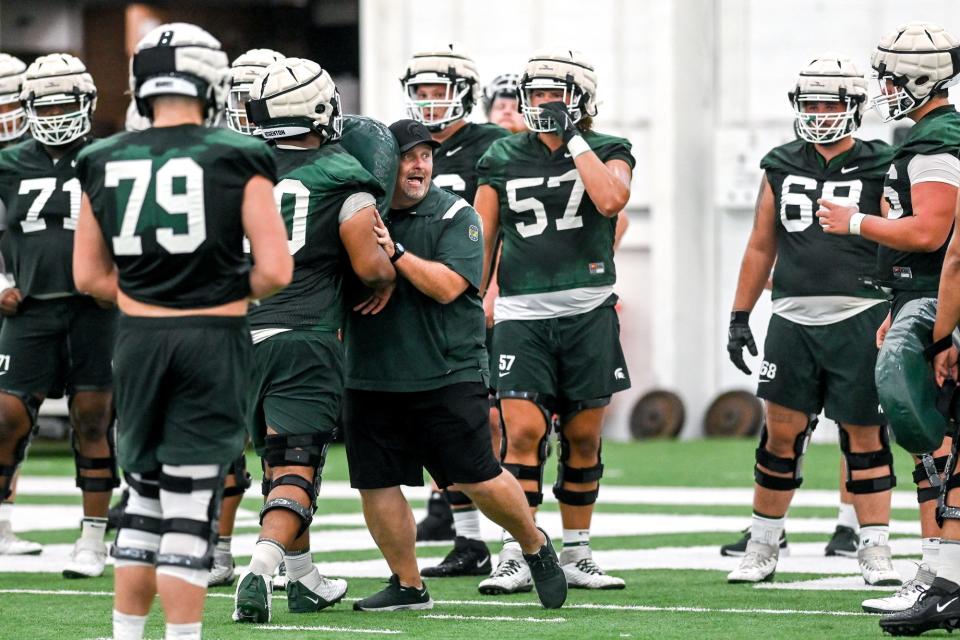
pixel 474 233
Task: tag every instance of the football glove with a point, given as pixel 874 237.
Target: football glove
pixel 738 337
pixel 565 126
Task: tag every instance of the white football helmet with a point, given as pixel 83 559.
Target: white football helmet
pixel 828 78
pixel 918 59
pixel 565 70
pixel 13 120
pixel 451 67
pixel 179 59
pixel 58 80
pixel 506 85
pixel 244 70
pixel 293 97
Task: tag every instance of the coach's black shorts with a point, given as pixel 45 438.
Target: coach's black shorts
pixel 392 436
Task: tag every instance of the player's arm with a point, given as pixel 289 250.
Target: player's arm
pixel 948 307
pixel 758 259
pixel 94 272
pixel 431 278
pixel 487 203
pixel 367 257
pixel 272 263
pixel 623 221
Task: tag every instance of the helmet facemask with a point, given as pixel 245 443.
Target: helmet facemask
pixel 896 103
pixel 437 113
pixel 534 117
pixel 64 128
pixel 824 127
pixel 13 122
pixel 236 109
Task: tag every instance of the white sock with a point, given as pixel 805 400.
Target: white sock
pixel 6 511
pixel 509 542
pixel 949 561
pixel 298 564
pixel 267 556
pixel 930 548
pixel 874 535
pixel 847 516
pixel 576 537
pixel 223 544
pixel 92 528
pixel 187 631
pixel 127 626
pixel 766 530
pixel 466 522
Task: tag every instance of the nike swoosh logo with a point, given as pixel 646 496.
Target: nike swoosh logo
pixel 453 151
pixel 941 607
pixel 313 600
pixel 504 375
pixel 848 169
pixel 566 155
pixel 481 563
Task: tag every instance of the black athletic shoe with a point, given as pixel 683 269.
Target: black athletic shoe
pixel 115 513
pixel 738 548
pixel 438 525
pixel 396 598
pixel 938 608
pixel 844 542
pixel 547 574
pixel 468 558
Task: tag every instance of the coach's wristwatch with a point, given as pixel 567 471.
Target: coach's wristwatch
pixel 398 252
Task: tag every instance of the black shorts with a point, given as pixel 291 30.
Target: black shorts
pixel 391 437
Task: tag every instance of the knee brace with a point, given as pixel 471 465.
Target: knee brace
pixel 190 501
pixel 138 536
pixel 457 498
pixel 932 469
pixel 86 483
pixel 7 472
pixel 782 465
pixel 950 482
pixel 243 480
pixel 308 451
pixel 566 473
pixel 868 460
pixel 524 471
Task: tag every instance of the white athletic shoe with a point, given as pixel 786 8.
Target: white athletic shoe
pixel 11 545
pixel 583 573
pixel 223 572
pixel 905 597
pixel 759 563
pixel 512 575
pixel 87 559
pixel 876 565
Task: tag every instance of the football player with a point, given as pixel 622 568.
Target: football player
pixel 54 339
pixel 327 200
pixel 915 66
pixel 161 230
pixel 554 194
pixel 243 71
pixel 501 103
pixel 820 350
pixel 441 87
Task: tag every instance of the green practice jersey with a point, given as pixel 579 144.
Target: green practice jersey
pixel 937 132
pixel 168 200
pixel 554 239
pixel 313 186
pixel 42 200
pixel 811 262
pixel 455 160
pixel 372 144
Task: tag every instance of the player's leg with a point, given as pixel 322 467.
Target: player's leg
pixel 10 544
pixel 844 541
pixel 16 429
pixel 236 482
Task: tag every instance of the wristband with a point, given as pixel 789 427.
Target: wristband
pixel 577 146
pixel 739 317
pixel 939 346
pixel 855 221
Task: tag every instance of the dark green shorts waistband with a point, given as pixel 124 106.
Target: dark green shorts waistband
pixel 182 322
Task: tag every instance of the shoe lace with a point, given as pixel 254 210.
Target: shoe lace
pixel 506 569
pixel 909 586
pixel 587 565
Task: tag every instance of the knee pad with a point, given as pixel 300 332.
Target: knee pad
pixel 566 473
pixel 238 469
pixel 138 536
pixel 782 465
pixel 457 498
pixel 523 471
pixel 931 469
pixel 7 472
pixel 868 460
pixel 190 501
pixel 86 483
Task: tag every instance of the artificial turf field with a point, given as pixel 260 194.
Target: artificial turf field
pixel 675 503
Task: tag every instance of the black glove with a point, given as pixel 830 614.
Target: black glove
pixel 565 127
pixel 738 336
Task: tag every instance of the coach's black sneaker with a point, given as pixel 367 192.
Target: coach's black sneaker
pixel 468 558
pixel 438 525
pixel 115 512
pixel 548 576
pixel 844 542
pixel 937 608
pixel 396 597
pixel 738 548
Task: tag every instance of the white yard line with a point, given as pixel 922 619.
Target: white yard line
pixel 287 627
pixel 450 616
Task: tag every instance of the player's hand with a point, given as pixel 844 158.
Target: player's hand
pixel 10 300
pixel 489 301
pixel 738 337
pixel 882 331
pixel 377 301
pixel 835 218
pixel 945 366
pixel 383 237
pixel 563 121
